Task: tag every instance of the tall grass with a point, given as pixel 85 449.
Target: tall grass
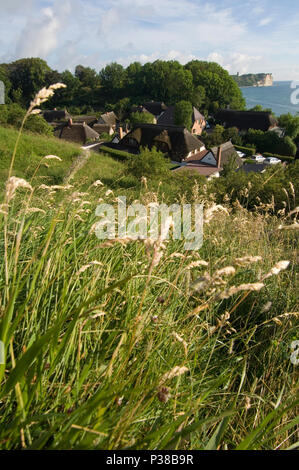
pixel 108 346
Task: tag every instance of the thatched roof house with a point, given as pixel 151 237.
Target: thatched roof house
pixel 210 163
pixel 109 119
pixel 155 107
pixel 176 141
pixel 167 118
pixel 245 120
pixel 89 120
pixel 79 133
pixel 56 116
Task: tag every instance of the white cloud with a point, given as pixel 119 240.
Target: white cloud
pixel 265 21
pixel 40 35
pixel 235 62
pixel 96 32
pixel 11 7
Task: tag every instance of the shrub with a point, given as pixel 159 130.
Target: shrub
pixel 145 118
pixel 119 154
pixel 247 150
pixel 13 115
pixel 183 114
pixel 149 163
pixel 281 157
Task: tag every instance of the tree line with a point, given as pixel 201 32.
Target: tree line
pixel 205 85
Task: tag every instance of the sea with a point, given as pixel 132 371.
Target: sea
pixel 277 97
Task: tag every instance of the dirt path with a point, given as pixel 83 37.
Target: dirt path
pixel 77 165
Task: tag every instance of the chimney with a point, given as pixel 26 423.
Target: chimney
pixel 219 156
pixel 70 121
pixel 121 133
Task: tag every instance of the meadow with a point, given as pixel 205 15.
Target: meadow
pixel 139 344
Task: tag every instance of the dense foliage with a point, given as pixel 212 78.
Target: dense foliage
pixel 205 85
pixel 145 118
pixel 13 115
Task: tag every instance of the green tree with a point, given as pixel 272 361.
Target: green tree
pixel 87 76
pixel 232 133
pixel 220 88
pixel 180 85
pixel 113 80
pixel 28 75
pixel 215 138
pixel 149 163
pixel 199 97
pixel 145 118
pixel 183 114
pixel 290 123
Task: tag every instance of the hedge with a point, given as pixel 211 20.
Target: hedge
pixel 281 157
pixel 246 150
pixel 116 153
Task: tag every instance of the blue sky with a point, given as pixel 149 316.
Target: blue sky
pixel 243 36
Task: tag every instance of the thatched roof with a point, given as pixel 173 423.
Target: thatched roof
pixel 227 151
pixel 167 118
pixel 253 167
pixel 89 120
pixel 139 109
pixel 177 140
pixel 102 128
pixel 244 120
pixel 77 132
pixel 108 118
pixel 155 107
pixel 54 115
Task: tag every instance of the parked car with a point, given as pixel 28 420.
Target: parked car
pixel 272 161
pixel 241 154
pixel 258 158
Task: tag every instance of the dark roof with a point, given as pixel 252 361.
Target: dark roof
pixel 77 132
pixel 167 118
pixel 253 167
pixel 227 151
pixel 140 109
pixel 90 120
pixel 108 118
pixel 155 107
pixel 179 141
pixel 244 120
pixel 54 115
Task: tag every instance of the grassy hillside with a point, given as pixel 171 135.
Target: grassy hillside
pixel 33 148
pixel 135 345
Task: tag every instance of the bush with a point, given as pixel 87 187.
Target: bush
pixel 270 142
pixel 183 114
pixel 119 154
pixel 149 163
pixel 264 187
pixel 281 157
pixel 248 151
pixel 145 118
pixel 13 115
